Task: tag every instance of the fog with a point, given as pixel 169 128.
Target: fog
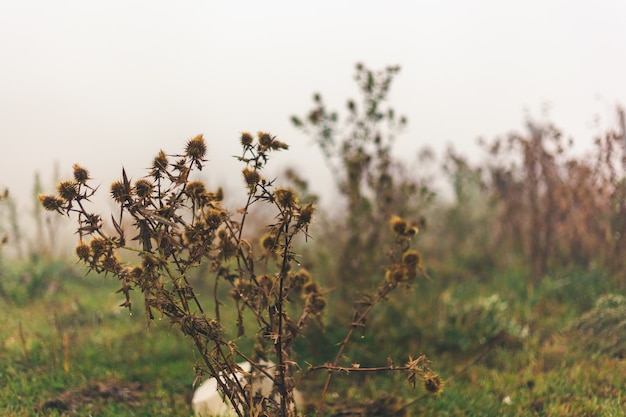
pixel 108 84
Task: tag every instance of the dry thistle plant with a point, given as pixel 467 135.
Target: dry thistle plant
pixel 178 225
pixel 559 209
pixel 375 185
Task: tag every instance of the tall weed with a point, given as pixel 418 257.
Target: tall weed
pixel 375 185
pixel 174 224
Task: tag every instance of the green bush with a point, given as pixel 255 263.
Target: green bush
pixel 468 325
pixel 602 330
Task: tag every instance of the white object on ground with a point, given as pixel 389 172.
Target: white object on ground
pixel 207 401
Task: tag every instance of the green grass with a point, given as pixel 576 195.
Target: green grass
pixel 70 350
pixel 113 365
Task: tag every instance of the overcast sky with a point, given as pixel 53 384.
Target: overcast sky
pixel 109 83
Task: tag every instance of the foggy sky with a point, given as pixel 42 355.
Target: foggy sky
pixel 108 84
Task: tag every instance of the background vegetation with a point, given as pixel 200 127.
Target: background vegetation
pixel 523 314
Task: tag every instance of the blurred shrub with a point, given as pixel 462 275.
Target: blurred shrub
pixel 556 209
pixel 373 183
pixel 467 325
pixel 22 282
pixel 602 329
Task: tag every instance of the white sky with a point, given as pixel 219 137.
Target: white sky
pixel 109 83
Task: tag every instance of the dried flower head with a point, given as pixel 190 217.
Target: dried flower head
pixel 311 287
pixel 316 303
pixel 136 272
pixel 433 383
pixel 68 190
pixel 268 241
pixel 223 233
pixel 411 258
pixel 194 234
pixel 285 197
pixel 120 192
pixel 149 262
pixel 395 274
pixel 264 139
pixel 214 218
pixel 143 188
pixel 242 289
pixel 246 139
pixel 265 281
pixel 51 203
pixel 300 278
pixel 277 145
pixel 111 263
pixel 251 176
pixel 83 251
pixel 306 214
pixel 81 175
pixel 196 148
pixel 196 190
pixel 398 225
pixel 98 246
pixel 159 165
pixel 228 248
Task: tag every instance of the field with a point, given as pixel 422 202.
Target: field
pixel 506 299
pixel 68 349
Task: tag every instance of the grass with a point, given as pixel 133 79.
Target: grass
pixel 65 356
pixel 68 350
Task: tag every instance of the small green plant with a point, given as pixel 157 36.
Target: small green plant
pixel 176 224
pixel 470 325
pixel 601 330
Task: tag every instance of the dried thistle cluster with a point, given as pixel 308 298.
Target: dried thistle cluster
pixel 178 224
pixel 405 269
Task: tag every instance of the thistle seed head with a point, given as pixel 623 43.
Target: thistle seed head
pixel 159 165
pixel 264 139
pixel 268 241
pixel 306 214
pixel 246 139
pixel 433 383
pixel 68 190
pixel 143 188
pixel 398 225
pixel 285 197
pixel 311 287
pixel 51 203
pixel 411 258
pixel 196 148
pixel 195 189
pixel 81 175
pixel 251 176
pixel 120 192
pixel 83 251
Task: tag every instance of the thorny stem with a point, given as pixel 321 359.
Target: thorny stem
pixel 356 324
pixel 279 345
pixel 223 386
pixel 471 363
pixel 348 369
